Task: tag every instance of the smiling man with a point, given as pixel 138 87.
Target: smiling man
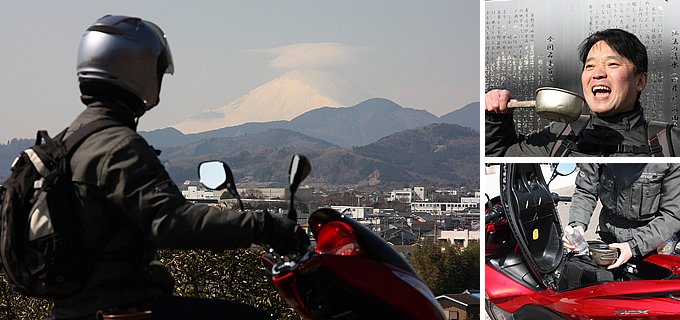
pixel 613 77
pixel 614 72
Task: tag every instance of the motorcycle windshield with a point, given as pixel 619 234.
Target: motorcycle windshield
pixel 532 217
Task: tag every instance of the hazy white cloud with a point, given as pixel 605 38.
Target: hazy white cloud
pixel 311 55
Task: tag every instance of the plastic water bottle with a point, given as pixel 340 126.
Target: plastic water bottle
pixel 668 247
pixel 576 238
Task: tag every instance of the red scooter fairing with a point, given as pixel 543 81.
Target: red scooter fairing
pixel 353 274
pixel 519 283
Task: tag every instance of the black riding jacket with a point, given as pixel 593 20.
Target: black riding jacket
pixel 128 207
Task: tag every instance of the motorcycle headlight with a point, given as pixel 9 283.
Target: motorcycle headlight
pixel 497 313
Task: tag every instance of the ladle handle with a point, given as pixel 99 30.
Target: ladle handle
pixel 522 104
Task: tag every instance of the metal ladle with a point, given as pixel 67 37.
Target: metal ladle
pixel 554 104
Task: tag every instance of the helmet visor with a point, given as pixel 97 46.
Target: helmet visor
pixel 165 64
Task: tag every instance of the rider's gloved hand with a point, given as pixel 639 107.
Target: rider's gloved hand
pixel 282 234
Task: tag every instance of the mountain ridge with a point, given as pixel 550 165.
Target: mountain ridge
pixel 467 116
pixel 352 124
pixel 292 94
pixel 436 154
pixel 356 125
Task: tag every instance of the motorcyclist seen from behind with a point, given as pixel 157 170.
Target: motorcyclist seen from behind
pixel 128 206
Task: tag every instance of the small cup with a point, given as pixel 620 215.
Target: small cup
pixel 601 253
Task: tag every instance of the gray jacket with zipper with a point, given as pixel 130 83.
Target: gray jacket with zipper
pixel 640 202
pixel 127 207
pixel 600 134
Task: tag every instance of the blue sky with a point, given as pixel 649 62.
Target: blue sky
pixel 420 54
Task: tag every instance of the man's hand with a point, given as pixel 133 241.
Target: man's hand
pixel 497 100
pixel 625 253
pixel 567 243
pixel 282 234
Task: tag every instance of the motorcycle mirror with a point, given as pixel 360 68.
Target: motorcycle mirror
pixel 562 169
pixel 216 175
pixel 565 169
pixel 298 171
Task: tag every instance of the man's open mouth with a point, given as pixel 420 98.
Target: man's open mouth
pixel 601 91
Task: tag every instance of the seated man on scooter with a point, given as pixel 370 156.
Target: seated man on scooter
pixel 127 204
pixel 640 206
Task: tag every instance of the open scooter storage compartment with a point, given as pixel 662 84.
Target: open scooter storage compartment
pixel 535 224
pixel 533 218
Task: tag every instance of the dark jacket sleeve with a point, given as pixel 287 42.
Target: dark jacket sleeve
pixel 134 180
pixel 584 199
pixel 501 138
pixel 675 141
pixel 667 221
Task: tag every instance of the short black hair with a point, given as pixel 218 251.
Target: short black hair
pixel 623 42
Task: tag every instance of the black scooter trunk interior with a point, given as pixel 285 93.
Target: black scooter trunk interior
pixel 533 218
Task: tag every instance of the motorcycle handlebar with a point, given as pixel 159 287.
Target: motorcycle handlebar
pixel 494 213
pixel 558 198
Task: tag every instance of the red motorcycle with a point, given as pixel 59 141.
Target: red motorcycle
pixel 350 274
pixel 525 258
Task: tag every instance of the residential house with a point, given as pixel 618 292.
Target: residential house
pixel 462 306
pixel 459 237
pixel 399 236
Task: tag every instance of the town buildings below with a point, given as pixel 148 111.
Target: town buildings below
pixel 401 217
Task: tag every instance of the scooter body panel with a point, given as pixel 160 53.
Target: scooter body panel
pixel 650 292
pixel 364 286
pixel 615 300
pixel 500 287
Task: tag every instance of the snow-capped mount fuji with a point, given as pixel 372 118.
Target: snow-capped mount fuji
pixel 283 98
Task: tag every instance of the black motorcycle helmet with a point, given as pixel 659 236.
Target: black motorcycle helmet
pixel 120 52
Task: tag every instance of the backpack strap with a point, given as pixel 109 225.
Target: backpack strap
pixel 660 142
pixel 569 136
pixel 74 140
pixel 659 138
pixel 45 162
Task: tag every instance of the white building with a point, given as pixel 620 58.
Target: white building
pixel 408 195
pixel 459 237
pixel 420 193
pixel 447 192
pixel 405 195
pixel 469 199
pixel 357 213
pixel 192 193
pixel 435 208
pixel 270 193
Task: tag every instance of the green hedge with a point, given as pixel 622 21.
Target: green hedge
pixel 236 275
